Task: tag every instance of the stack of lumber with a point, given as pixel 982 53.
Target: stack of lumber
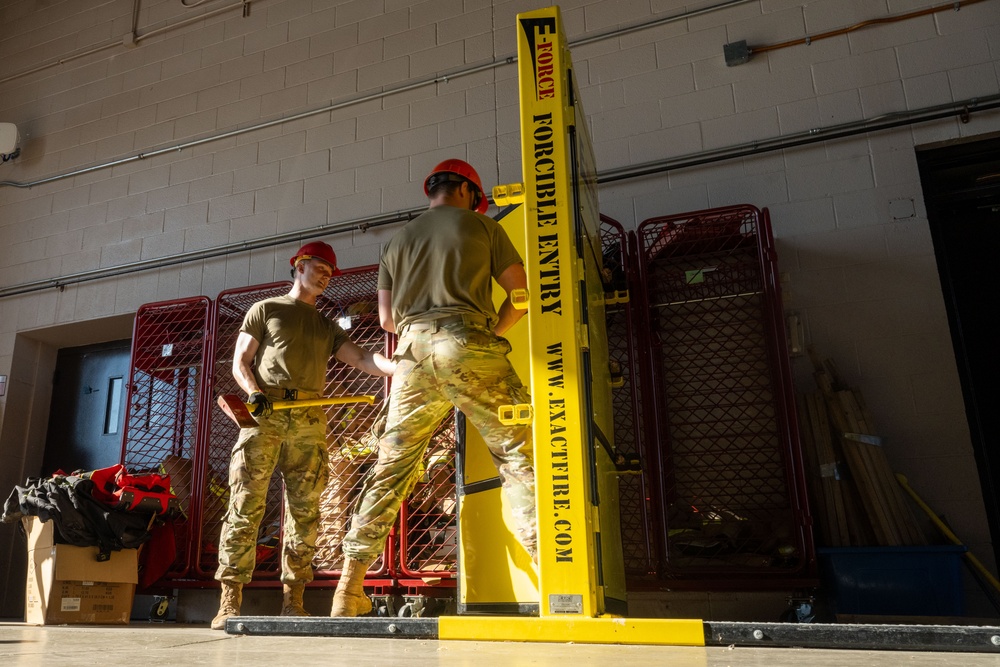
pixel 859 501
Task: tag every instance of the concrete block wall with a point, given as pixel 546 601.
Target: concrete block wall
pixel 849 219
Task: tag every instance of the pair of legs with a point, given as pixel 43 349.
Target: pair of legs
pixel 463 367
pixel 294 442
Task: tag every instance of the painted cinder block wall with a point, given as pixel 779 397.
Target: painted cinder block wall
pixel 860 275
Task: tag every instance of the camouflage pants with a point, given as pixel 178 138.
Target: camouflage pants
pixel 294 442
pixel 456 366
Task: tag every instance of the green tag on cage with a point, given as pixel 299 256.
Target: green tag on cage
pixel 694 276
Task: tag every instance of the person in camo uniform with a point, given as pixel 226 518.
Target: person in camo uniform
pixel 282 353
pixel 435 289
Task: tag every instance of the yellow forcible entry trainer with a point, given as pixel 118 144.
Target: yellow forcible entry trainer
pixel 576 593
pixel 561 348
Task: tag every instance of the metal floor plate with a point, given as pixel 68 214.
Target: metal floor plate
pixel 943 638
pixel 321 626
pixel 955 638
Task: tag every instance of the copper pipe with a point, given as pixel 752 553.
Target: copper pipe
pixel 958 4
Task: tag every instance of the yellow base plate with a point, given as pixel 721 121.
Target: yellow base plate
pixel 663 632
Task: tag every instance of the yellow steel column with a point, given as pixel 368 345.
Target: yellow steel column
pixel 560 232
pixel 581 581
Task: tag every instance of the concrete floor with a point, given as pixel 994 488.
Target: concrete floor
pixel 167 644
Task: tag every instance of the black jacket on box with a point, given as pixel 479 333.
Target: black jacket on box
pixel 79 518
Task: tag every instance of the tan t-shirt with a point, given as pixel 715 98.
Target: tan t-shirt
pixel 443 262
pixel 296 342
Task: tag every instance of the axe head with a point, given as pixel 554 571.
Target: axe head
pixel 237 410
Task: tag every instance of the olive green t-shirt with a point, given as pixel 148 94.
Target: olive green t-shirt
pixel 296 342
pixel 443 262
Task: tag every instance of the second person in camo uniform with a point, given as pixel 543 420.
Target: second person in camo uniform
pixel 282 353
pixel 435 290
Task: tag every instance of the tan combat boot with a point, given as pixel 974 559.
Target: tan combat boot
pixel 229 604
pixel 291 605
pixel 350 598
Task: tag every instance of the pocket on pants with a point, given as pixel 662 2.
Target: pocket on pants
pixel 401 349
pixel 480 339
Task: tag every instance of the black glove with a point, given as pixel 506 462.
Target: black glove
pixel 261 405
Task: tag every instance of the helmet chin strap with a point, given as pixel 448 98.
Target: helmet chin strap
pixel 476 196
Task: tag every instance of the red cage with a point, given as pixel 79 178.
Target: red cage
pixel 638 512
pixel 703 412
pixel 164 402
pixel 351 299
pixel 221 433
pixel 182 359
pixel 721 401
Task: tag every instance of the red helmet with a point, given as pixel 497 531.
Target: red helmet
pixel 464 171
pixel 317 250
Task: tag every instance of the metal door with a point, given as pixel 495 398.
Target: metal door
pixel 87 409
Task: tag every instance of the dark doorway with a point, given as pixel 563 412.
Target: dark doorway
pixel 962 188
pixel 88 407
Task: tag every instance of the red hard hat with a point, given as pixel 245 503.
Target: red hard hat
pixel 466 172
pixel 317 250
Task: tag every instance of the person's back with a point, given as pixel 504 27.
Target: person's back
pixel 443 263
pixel 435 289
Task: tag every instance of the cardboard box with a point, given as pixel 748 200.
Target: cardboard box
pixel 67 584
pixel 179 469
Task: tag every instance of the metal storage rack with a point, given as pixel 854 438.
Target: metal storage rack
pixel 221 433
pixel 182 359
pixel 731 478
pixel 164 403
pixel 638 512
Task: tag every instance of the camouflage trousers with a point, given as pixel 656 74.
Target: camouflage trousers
pixel 456 366
pixel 294 442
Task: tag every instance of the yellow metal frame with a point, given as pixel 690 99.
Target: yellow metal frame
pixel 580 563
pixel 579 585
pixel 578 630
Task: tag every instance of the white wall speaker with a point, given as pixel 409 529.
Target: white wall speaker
pixel 8 138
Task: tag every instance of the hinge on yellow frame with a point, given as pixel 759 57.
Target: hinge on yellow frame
pixel 519 298
pixel 505 195
pixel 615 372
pixel 511 415
pixel 616 296
pixel 584 337
pixel 628 464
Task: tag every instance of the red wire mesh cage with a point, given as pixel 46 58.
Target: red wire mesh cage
pixel 731 475
pixel 428 518
pixel 634 492
pixel 221 433
pixel 161 433
pixel 351 299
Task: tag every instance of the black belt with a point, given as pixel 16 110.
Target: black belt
pixel 280 394
pixel 468 319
